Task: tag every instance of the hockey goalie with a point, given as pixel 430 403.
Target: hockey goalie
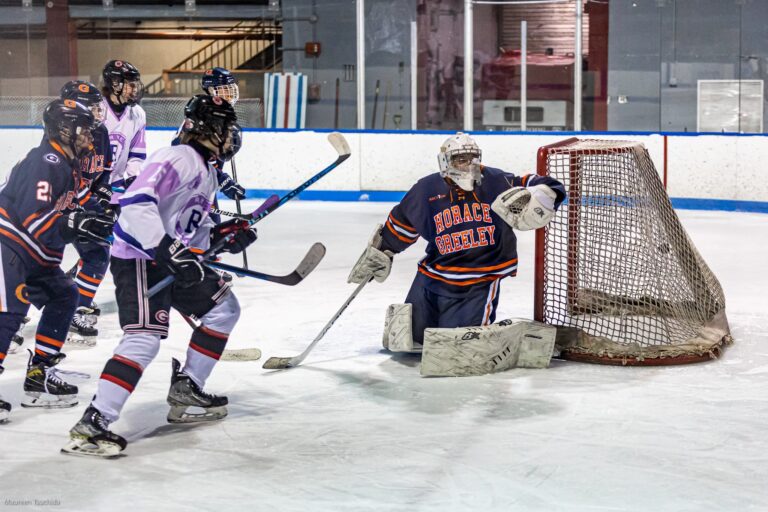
pixel 467 213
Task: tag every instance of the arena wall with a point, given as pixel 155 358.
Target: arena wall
pixel 703 171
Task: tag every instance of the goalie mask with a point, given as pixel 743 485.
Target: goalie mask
pixel 459 160
pixel 222 83
pixel 212 118
pixel 123 80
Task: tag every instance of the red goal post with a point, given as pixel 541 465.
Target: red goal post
pixel 615 270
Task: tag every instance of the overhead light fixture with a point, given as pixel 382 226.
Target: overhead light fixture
pixel 274 6
pixel 108 5
pixel 26 5
pixel 189 6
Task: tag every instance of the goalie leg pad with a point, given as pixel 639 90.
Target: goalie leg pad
pixel 493 348
pixel 398 329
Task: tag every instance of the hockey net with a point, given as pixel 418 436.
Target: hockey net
pixel 615 270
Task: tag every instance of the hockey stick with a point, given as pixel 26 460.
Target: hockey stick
pixel 235 354
pixel 269 201
pixel 313 257
pixel 338 142
pixel 281 363
pixel 237 207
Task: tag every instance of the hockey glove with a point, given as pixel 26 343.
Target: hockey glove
pixel 373 263
pixel 526 208
pixel 103 194
pixel 93 226
pixel 180 261
pixel 244 235
pixel 230 187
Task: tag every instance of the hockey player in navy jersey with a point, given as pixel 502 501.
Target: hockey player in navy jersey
pixel 38 217
pixel 164 214
pixel 465 212
pixel 95 195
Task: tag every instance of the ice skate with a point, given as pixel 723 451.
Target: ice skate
pixel 18 339
pixel 44 388
pixel 184 393
pixel 91 437
pixel 83 332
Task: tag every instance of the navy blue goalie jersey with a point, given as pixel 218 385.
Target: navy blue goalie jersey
pixel 468 245
pixel 36 192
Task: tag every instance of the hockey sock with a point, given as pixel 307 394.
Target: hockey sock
pixel 204 351
pixel 9 324
pixel 54 325
pixel 117 382
pixel 89 277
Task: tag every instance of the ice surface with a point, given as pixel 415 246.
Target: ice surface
pixel 356 429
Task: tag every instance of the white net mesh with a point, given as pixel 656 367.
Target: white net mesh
pixel 619 271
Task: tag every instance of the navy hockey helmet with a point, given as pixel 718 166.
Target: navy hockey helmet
pixel 123 79
pixel 212 117
pixel 221 82
pixel 87 94
pixel 70 124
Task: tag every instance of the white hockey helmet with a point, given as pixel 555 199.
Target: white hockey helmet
pixel 459 159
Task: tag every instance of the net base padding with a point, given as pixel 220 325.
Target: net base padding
pixel 574 344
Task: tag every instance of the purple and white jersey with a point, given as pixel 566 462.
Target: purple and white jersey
pixel 172 195
pixel 129 149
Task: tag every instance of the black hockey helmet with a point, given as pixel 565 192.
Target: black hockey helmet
pixel 116 74
pixel 64 120
pixel 87 94
pixel 212 117
pixel 221 82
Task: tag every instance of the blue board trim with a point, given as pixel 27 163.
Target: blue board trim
pixel 392 196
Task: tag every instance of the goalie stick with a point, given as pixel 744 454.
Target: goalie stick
pixel 282 363
pixel 341 146
pixel 313 257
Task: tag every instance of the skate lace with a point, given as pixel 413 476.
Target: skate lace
pixel 52 375
pixel 83 320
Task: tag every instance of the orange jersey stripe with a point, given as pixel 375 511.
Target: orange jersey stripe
pixel 398 235
pixel 29 219
pixel 478 269
pixel 402 225
pixel 86 293
pixel 26 248
pixel 457 283
pixel 46 226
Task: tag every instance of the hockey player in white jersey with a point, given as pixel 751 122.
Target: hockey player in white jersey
pixel 125 120
pixel 164 213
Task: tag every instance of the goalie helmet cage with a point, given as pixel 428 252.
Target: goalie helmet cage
pixel 615 270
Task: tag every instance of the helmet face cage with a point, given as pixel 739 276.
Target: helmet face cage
pixel 222 83
pixel 214 119
pixel 459 159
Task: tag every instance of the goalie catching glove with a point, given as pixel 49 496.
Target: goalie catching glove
pixel 180 261
pixel 244 235
pixel 526 208
pixel 93 226
pixel 373 263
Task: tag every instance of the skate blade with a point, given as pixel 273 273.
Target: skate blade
pixel 45 401
pixel 179 414
pixel 87 448
pixel 4 416
pixel 77 342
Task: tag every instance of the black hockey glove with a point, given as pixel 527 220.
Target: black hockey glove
pixel 230 187
pixel 180 261
pixel 245 235
pixel 103 194
pixel 93 226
